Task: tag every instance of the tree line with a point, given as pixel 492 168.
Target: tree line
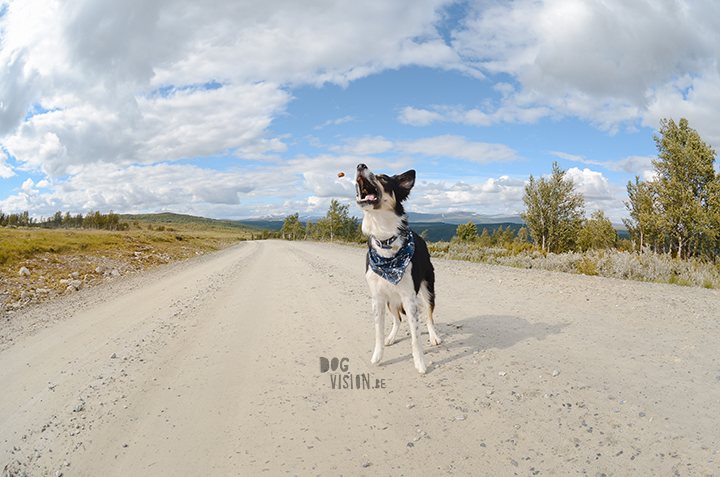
pixel 676 212
pixel 337 224
pixel 91 220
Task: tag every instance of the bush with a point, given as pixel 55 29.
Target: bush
pixel 647 266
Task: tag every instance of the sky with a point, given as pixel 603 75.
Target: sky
pixel 230 109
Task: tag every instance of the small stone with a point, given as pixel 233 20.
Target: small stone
pixel 502 373
pixel 556 372
pixel 365 464
pixel 58 473
pixel 125 445
pixel 113 356
pixel 461 417
pixel 642 414
pixel 410 444
pixel 410 406
pixel 24 272
pixel 546 396
pixel 98 270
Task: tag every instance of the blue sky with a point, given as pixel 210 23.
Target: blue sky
pixel 231 110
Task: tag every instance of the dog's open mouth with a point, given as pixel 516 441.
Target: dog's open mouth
pixel 367 192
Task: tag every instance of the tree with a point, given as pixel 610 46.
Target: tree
pixel 679 212
pixel 522 235
pixel 554 211
pixel 644 225
pixel 292 229
pixel 467 232
pixel 685 186
pixel 337 224
pixel 598 233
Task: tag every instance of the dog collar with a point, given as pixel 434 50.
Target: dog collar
pixel 392 268
pixel 386 244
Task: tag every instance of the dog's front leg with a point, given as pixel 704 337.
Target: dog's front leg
pixel 395 311
pixel 379 306
pixel 411 309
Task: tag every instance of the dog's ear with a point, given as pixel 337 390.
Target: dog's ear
pixel 405 182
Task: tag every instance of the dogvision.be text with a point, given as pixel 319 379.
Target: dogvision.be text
pixel 347 380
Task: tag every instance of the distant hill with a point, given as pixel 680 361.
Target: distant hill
pixel 437 231
pixel 266 223
pixel 166 218
pixel 436 227
pixel 458 218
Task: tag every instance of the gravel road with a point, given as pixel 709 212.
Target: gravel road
pixel 212 366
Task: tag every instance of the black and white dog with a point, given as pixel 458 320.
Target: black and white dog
pixel 397 267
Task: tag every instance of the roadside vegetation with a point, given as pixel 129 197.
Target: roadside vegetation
pixel 674 224
pixel 47 258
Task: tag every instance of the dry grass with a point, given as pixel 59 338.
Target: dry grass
pixel 647 266
pixel 58 258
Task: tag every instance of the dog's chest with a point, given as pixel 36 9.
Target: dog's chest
pixel 380 287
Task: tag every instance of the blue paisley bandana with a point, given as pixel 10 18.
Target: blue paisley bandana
pixel 393 268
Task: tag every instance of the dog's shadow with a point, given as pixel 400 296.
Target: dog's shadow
pixel 483 332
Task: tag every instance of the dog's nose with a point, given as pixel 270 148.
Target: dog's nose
pixel 361 167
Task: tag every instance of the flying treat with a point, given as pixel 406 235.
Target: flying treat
pixel 341 174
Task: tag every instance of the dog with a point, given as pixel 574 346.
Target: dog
pixel 397 267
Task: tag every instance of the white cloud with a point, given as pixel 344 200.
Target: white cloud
pixel 599 193
pixel 335 122
pixel 639 165
pixel 124 82
pixel 458 147
pixel 364 146
pixel 569 157
pixel 5 171
pixel 510 111
pixel 612 62
pixel 493 196
pixel 152 187
pixel 418 117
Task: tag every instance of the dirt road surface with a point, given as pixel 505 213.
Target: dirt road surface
pixel 212 367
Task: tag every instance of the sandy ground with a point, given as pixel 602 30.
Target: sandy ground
pixel 212 367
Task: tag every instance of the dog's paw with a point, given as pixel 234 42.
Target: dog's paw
pixel 389 341
pixel 377 356
pixel 435 341
pixel 422 368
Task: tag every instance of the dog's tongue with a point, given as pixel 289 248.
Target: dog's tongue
pixel 370 197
